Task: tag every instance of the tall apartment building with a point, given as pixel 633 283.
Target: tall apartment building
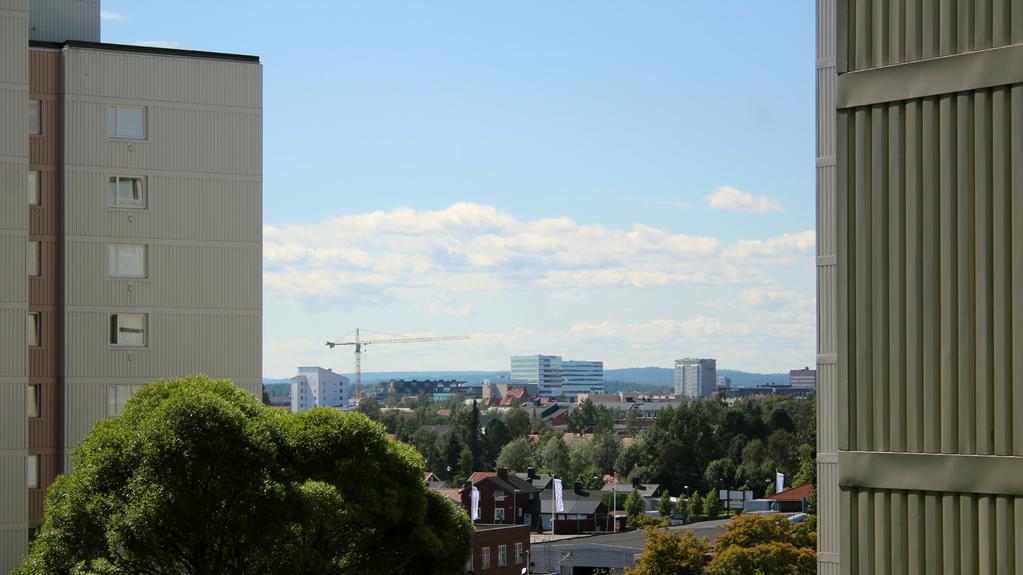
pixel 920 286
pixel 130 234
pixel 318 387
pixel 582 377
pixel 806 377
pixel 542 370
pixel 695 377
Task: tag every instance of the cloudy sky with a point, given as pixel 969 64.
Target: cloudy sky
pixel 625 181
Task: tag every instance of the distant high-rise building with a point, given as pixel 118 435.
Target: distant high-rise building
pixel 805 377
pixel 543 370
pixel 695 377
pixel 582 377
pixel 130 234
pixel 318 387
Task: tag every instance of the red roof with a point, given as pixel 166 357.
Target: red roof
pixel 478 476
pixel 452 494
pixel 797 493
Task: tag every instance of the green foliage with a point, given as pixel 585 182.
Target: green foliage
pixel 370 408
pixel 635 506
pixel 518 422
pixel 588 417
pixel 767 544
pixel 664 504
pixel 633 423
pixel 711 505
pixel 694 507
pixel 197 477
pixel 670 553
pixel 606 447
pixel 517 455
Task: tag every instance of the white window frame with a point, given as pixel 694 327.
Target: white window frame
pixel 35 188
pixel 117 396
pixel 34 329
pixel 518 554
pixel 35 258
pixel 116 252
pixel 32 471
pixel 485 558
pixel 113 119
pixel 502 555
pixel 35 117
pixel 499 514
pixel 35 400
pixel 113 185
pixel 115 329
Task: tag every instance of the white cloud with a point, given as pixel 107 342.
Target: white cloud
pixel 155 44
pixel 784 247
pixel 108 16
pixel 729 198
pixel 449 310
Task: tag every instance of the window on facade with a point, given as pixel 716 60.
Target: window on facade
pixel 118 396
pixel 519 558
pixel 499 514
pixel 34 258
pixel 127 192
pixel 35 400
pixel 32 465
pixel 485 558
pixel 127 261
pixel 502 555
pixel 128 329
pixel 127 122
pixel 35 335
pixel 35 189
pixel 35 117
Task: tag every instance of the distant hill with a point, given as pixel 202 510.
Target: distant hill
pixel 650 378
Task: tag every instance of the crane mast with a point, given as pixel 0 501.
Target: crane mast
pixel 359 343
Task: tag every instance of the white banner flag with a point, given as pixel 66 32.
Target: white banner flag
pixel 779 482
pixel 559 503
pixel 475 504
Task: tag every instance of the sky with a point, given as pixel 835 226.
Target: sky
pixel 630 182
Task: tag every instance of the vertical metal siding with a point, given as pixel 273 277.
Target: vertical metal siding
pixel 61 20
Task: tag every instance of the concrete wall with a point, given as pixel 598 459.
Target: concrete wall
pixel 928 313
pixel 13 280
pixel 202 164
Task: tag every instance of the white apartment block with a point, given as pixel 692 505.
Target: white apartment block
pixel 695 377
pixel 542 370
pixel 318 387
pixel 582 377
pixel 130 234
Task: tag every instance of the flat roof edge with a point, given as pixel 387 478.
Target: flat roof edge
pixel 152 50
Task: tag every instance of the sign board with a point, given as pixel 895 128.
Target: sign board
pixel 726 495
pixel 733 504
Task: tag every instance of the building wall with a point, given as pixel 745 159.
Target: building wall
pixel 13 280
pixel 201 225
pixel 61 20
pixel 582 377
pixel 543 370
pixel 927 218
pixel 318 387
pixel 695 378
pixel 492 538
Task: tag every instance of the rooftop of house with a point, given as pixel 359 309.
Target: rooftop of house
pixel 510 485
pixel 798 493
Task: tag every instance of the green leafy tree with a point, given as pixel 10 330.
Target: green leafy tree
pixel 370 408
pixel 720 473
pixel 711 505
pixel 518 422
pixel 197 477
pixel 770 545
pixel 664 504
pixel 606 449
pixel 633 423
pixel 694 507
pixel 554 457
pixel 635 506
pixel 494 440
pixel 473 437
pixel 517 455
pixel 670 553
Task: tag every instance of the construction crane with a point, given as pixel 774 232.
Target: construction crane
pixel 360 343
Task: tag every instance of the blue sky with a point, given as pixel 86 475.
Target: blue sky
pixel 631 182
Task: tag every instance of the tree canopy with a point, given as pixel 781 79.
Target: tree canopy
pixel 197 477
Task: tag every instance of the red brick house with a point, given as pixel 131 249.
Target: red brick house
pixel 499 550
pixel 504 497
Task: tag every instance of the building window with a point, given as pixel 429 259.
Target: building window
pixel 35 399
pixel 127 261
pixel 35 118
pixel 32 465
pixel 35 335
pixel 128 329
pixel 35 189
pixel 502 555
pixel 519 558
pixel 485 558
pixel 127 122
pixel 127 192
pixel 118 396
pixel 499 514
pixel 35 256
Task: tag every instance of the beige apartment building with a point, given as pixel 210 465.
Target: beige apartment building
pixel 130 234
pixel 920 286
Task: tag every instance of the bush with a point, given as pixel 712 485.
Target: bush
pixel 669 553
pixel 775 558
